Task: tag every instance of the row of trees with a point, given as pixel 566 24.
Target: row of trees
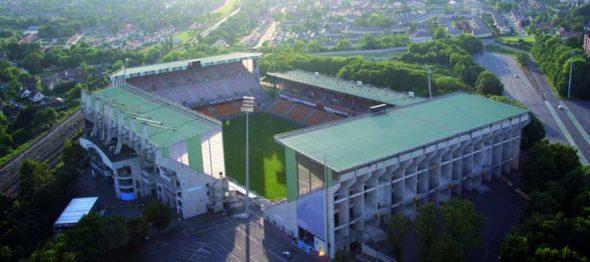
pixel 557 214
pixel 97 238
pixel 444 233
pixel 453 67
pixel 553 57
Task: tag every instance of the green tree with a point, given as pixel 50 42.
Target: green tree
pixel 397 231
pixel 532 133
pixel 449 231
pixel 343 44
pixel 32 62
pixel 440 33
pixel 138 229
pixel 488 84
pixel 547 162
pixel 522 58
pixel 158 215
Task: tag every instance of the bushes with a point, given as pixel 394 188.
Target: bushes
pixel 488 84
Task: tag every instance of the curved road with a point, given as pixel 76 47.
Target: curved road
pixel 532 89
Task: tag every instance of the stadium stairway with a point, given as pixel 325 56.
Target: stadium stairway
pixel 308 116
pixel 288 111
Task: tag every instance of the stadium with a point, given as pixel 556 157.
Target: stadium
pixel 344 154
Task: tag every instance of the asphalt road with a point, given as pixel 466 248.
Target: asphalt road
pixel 569 126
pixel 215 238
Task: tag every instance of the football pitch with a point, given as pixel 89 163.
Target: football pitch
pixel 267 158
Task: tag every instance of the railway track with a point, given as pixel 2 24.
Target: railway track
pixel 45 149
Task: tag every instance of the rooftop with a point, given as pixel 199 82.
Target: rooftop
pixel 352 88
pixel 76 209
pixel 358 141
pixel 168 123
pixel 182 65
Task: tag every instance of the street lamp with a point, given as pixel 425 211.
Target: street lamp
pixel 569 86
pixel 248 107
pixel 428 72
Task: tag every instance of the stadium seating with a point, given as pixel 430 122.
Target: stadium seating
pixel 299 113
pixel 198 87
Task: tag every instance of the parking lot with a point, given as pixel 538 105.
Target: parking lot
pixel 213 237
pixel 208 237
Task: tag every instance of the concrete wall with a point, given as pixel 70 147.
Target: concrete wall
pixel 213 156
pixel 360 199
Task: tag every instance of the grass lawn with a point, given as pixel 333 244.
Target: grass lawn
pixel 184 36
pixel 227 8
pixel 267 158
pixel 515 39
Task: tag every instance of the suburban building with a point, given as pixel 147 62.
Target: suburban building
pixel 345 178
pixel 76 209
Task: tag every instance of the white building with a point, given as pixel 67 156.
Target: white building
pixel 150 146
pixel 362 170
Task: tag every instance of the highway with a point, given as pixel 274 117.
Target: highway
pixel 46 148
pixel 532 89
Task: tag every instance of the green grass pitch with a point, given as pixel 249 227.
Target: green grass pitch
pixel 267 158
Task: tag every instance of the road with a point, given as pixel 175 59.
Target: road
pixel 532 89
pixel 47 148
pixel 270 30
pixel 212 237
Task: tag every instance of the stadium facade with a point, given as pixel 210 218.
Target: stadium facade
pixel 360 171
pixel 149 144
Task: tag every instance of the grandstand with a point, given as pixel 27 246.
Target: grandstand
pixel 345 178
pixel 198 82
pixel 311 98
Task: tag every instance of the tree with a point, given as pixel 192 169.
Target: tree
pixel 138 229
pixel 522 58
pixel 448 232
pixel 397 231
pixel 343 44
pixel 158 215
pixel 532 133
pixel 32 62
pixel 547 162
pixel 488 84
pixel 440 33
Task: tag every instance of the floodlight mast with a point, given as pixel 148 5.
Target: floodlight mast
pixel 428 72
pixel 247 107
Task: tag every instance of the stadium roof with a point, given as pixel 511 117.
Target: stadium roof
pixel 76 209
pixel 176 123
pixel 183 65
pixel 352 88
pixel 359 141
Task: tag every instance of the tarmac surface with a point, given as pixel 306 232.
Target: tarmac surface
pixel 208 237
pixel 569 124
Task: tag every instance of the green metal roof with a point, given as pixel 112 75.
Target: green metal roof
pixel 182 65
pixel 179 123
pixel 352 88
pixel 366 139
